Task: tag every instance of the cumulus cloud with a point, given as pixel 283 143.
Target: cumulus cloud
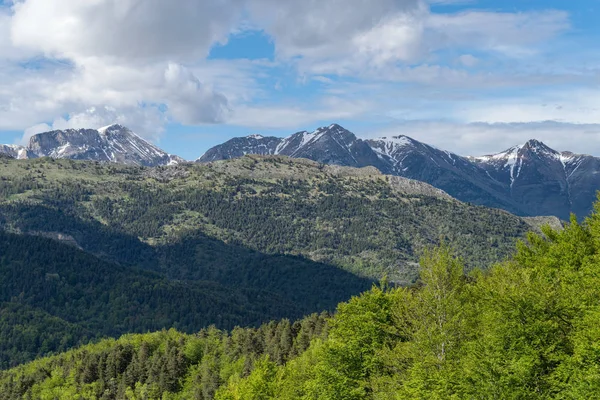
pixel 122 54
pixel 123 29
pixel 168 88
pixel 339 36
pixel 376 37
pixel 323 28
pixel 190 102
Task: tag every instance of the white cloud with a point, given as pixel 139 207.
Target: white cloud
pixel 291 116
pixel 142 63
pixel 393 40
pixel 119 54
pixel 8 50
pixel 376 38
pixel 28 97
pixel 123 29
pixel 189 101
pixel 317 28
pixel 342 36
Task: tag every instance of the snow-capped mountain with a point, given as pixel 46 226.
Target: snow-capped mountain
pixel 445 170
pixel 541 178
pixel 530 179
pixel 114 143
pixel 329 145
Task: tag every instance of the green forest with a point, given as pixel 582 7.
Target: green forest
pixel 526 328
pixel 178 220
pixel 54 296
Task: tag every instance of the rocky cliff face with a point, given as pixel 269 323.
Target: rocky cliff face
pixel 15 151
pixel 113 143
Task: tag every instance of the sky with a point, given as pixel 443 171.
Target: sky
pixel 470 76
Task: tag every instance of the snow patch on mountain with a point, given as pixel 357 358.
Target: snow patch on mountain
pixel 113 143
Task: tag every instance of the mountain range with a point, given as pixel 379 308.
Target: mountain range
pixel 528 180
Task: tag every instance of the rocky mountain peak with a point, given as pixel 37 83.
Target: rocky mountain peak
pixel 113 143
pixel 540 148
pixel 527 179
pixel 113 129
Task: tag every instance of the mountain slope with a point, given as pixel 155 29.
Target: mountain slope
pixel 114 143
pixel 357 219
pixel 16 151
pixel 543 181
pixel 445 170
pixel 329 145
pixel 95 298
pixel 111 248
pixel 525 329
pixel 162 362
pixel 238 147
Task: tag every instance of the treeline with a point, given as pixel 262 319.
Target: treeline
pixel 528 328
pixel 158 365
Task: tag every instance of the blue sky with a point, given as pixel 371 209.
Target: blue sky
pixel 470 76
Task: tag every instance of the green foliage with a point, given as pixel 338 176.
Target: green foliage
pixel 526 329
pixel 235 243
pixel 251 240
pixel 166 364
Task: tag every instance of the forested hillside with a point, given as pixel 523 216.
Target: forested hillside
pixel 54 296
pixel 91 250
pixel 150 365
pixel 174 219
pixel 525 329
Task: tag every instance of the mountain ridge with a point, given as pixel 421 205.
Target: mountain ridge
pixel 529 179
pixel 272 235
pixel 114 143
